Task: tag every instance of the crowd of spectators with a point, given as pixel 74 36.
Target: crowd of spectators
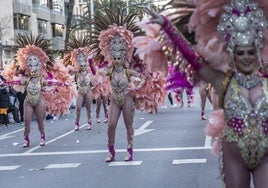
pixel 11 104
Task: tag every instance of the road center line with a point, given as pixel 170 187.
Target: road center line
pixel 103 151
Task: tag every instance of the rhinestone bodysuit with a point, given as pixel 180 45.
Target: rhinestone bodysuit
pixel 34 91
pixel 247 124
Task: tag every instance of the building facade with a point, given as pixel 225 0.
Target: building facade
pixel 46 17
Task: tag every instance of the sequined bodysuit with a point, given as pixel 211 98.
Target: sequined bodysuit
pixel 83 82
pixel 119 87
pixel 34 91
pixel 247 124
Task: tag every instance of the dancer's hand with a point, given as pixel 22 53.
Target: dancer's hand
pixel 67 83
pixel 156 18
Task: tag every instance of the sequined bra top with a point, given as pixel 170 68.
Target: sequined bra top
pixel 247 124
pixel 83 81
pixel 119 87
pixel 119 84
pixel 33 89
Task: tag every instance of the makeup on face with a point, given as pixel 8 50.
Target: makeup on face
pixel 246 60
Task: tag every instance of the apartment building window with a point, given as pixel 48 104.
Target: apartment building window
pixel 57 5
pixel 21 22
pixel 57 30
pixel 42 26
pixel 41 2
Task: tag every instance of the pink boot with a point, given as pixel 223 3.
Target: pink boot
pixel 111 154
pixel 203 117
pixel 106 119
pixel 76 126
pixel 89 125
pixel 43 140
pixel 129 154
pixel 26 141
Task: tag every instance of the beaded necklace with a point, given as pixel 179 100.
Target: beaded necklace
pixel 247 81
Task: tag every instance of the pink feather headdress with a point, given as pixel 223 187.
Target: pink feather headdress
pixel 75 52
pixel 211 45
pixel 110 35
pixel 24 53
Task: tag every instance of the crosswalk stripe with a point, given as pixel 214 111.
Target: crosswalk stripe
pixel 188 161
pixel 127 163
pixel 8 167
pixel 208 141
pixel 63 165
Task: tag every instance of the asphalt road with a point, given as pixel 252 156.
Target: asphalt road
pixel 170 151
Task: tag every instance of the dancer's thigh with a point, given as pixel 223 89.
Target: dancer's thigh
pixel 260 174
pixel 235 170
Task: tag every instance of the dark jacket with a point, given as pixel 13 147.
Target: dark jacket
pixel 4 98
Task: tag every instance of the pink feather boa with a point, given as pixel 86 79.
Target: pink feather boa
pixel 149 48
pixel 152 94
pixel 216 124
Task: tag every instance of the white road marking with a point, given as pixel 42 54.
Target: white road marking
pixel 63 165
pixel 126 163
pixel 6 136
pixel 103 151
pixel 8 167
pixel 208 141
pixel 142 129
pixel 53 140
pixel 188 161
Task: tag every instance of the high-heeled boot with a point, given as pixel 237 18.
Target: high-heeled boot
pixel 106 119
pixel 129 156
pixel 203 117
pixel 43 140
pixel 26 141
pixel 111 154
pixel 89 125
pixel 98 119
pixel 76 126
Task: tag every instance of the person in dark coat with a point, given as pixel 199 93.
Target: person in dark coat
pixel 12 108
pixel 4 101
pixel 21 97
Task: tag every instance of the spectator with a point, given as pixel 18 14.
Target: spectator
pixel 21 97
pixel 12 108
pixel 4 100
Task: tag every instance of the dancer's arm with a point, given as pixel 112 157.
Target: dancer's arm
pixel 13 82
pixel 140 76
pixel 198 63
pixel 55 83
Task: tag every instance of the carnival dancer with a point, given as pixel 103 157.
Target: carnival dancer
pixel 33 61
pixel 232 67
pixel 179 96
pixel 117 48
pixel 101 93
pixel 204 93
pixel 102 100
pixel 81 66
pixel 80 58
